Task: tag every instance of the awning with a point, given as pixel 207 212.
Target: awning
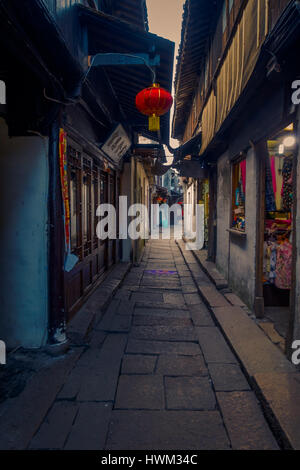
pixel 191 147
pixel 108 34
pixel 192 169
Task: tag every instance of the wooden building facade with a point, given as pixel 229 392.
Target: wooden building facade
pixel 58 122
pixel 234 91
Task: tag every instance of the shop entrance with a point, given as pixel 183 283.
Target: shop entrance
pixel 278 195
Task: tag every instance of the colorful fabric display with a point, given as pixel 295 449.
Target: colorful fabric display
pixel 287 188
pixel 270 198
pixel 284 265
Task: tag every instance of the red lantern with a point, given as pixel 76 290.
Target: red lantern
pixel 154 102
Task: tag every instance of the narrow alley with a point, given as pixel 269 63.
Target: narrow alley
pixel 150 228
pixel 157 373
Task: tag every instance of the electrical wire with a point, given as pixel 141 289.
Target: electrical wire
pixel 54 100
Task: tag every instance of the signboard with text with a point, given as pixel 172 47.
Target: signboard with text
pixel 117 144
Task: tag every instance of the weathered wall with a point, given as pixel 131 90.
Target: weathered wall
pixel 236 255
pixel 23 240
pixel 223 213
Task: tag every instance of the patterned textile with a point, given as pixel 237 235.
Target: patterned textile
pixel 270 198
pixel 284 266
pixel 270 259
pixel 287 189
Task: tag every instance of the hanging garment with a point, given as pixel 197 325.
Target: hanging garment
pixel 237 197
pixel 270 199
pixel 279 181
pixel 266 263
pixel 287 189
pixel 243 166
pixel 284 266
pixel 273 262
pixel 273 173
pixel 269 265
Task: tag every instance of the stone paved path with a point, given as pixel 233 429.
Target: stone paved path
pixel 157 374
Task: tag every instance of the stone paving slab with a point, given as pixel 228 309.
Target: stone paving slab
pixel 281 394
pixel 161 284
pixel 160 305
pixel 162 347
pixel 210 269
pixel 213 297
pixel 135 364
pixel 162 312
pixel 123 294
pixel 101 374
pixel 24 414
pixel 189 289
pixel 147 297
pixel 160 336
pixel 214 347
pixel 200 315
pixel 149 320
pixel 97 302
pixel 160 256
pixel 235 300
pixel 97 338
pixel 228 378
pixel 270 331
pixel 56 427
pixel 257 355
pixel 138 392
pixel 174 298
pixel 167 430
pixel 187 281
pixel 192 299
pixel 189 393
pixel 164 333
pixel 90 428
pixel 159 287
pixel 170 266
pixel 116 324
pixel 245 422
pixel 112 321
pixel 125 307
pixel 181 366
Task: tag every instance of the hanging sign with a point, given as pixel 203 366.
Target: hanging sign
pixel 71 259
pixel 117 144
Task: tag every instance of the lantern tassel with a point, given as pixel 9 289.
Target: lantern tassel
pixel 154 123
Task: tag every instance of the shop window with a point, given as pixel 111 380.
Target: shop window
pixel 74 208
pixel 86 205
pixel 279 199
pixel 95 201
pixel 239 195
pixel 81 202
